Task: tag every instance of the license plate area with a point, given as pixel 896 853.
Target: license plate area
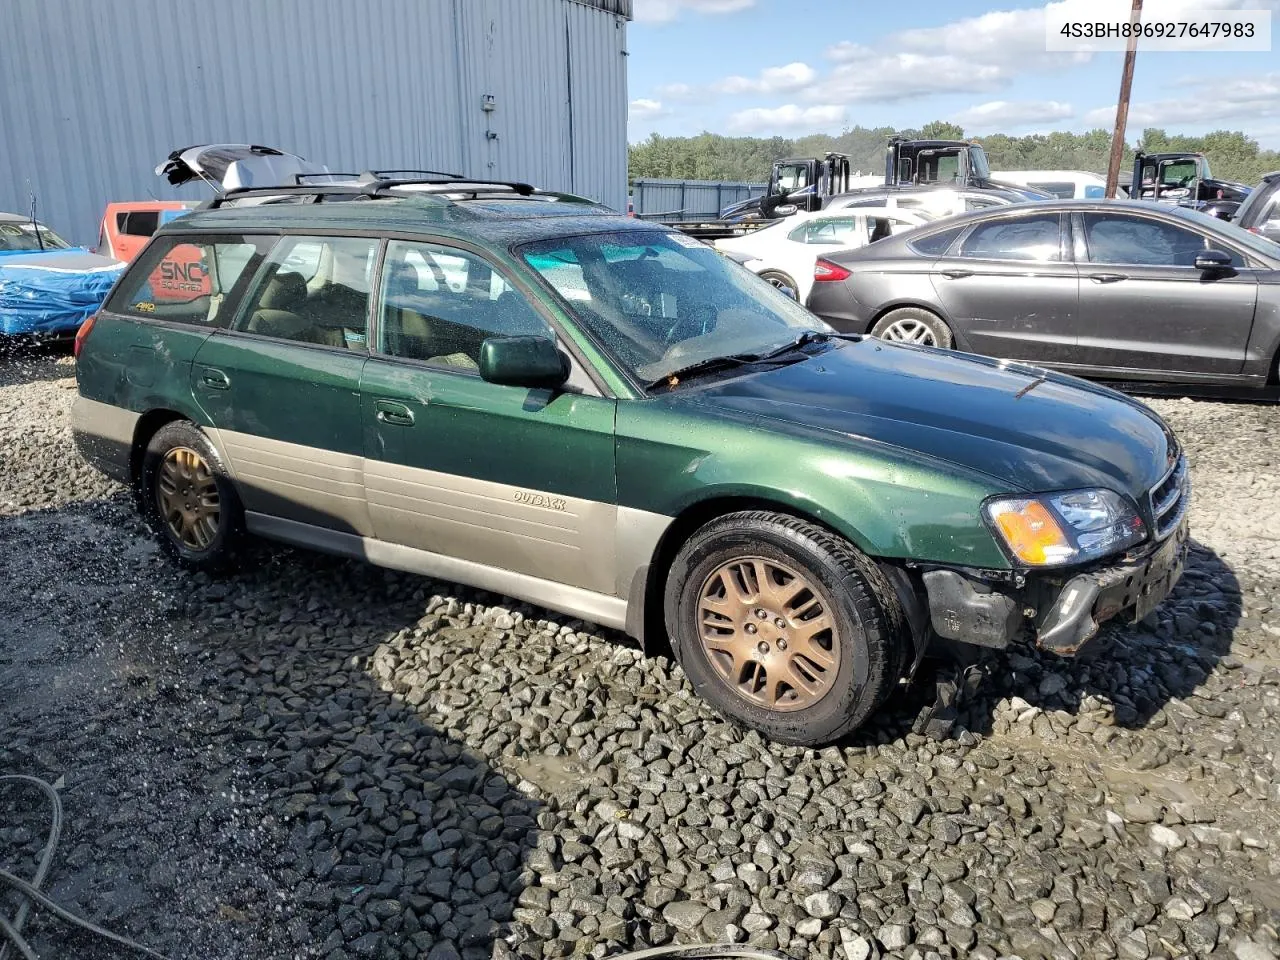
pixel 1162 573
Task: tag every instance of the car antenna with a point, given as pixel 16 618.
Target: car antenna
pixel 35 225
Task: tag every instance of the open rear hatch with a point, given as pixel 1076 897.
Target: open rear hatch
pixel 232 166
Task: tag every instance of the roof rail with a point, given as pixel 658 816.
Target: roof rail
pixel 374 184
pixel 412 171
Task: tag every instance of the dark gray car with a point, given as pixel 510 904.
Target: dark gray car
pixel 1260 212
pixel 1107 289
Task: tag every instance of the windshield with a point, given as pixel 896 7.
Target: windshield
pixel 659 302
pixel 22 236
pixel 1232 231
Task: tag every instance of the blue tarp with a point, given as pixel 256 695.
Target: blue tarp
pixel 54 291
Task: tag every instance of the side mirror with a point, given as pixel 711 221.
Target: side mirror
pixel 1215 260
pixel 533 362
pixel 785 209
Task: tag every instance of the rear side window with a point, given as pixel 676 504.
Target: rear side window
pixel 189 279
pixel 936 244
pixel 1020 238
pixel 313 290
pixel 138 223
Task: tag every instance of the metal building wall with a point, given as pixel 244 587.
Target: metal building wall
pixel 94 95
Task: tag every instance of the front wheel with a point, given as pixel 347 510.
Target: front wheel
pixel 783 626
pixel 914 325
pixel 188 499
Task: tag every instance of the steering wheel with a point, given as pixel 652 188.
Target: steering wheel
pixel 696 320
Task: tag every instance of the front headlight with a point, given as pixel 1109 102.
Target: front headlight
pixel 1062 528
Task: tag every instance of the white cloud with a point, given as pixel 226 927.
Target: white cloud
pixel 664 11
pixel 677 91
pixel 903 76
pixel 791 118
pixel 788 79
pixel 974 54
pixel 643 109
pixel 1010 114
pixel 1207 101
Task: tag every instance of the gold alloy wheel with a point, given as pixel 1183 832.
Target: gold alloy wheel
pixel 768 634
pixel 187 496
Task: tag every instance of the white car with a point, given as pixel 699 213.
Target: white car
pixel 1063 184
pixel 784 253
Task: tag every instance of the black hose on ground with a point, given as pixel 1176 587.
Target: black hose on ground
pixel 11 930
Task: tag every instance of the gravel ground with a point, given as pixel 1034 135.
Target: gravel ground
pixel 315 758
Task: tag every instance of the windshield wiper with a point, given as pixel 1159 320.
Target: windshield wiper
pixel 711 364
pixel 809 336
pixel 708 365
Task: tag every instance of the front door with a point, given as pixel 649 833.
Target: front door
pixel 1145 307
pixel 514 479
pixel 282 386
pixel 1009 290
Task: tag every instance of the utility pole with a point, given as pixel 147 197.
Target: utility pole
pixel 1122 105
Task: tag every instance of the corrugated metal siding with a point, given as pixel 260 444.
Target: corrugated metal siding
pixel 620 7
pixel 94 95
pixel 689 199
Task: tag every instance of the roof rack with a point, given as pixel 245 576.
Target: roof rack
pixel 374 184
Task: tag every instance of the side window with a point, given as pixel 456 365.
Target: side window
pixel 138 223
pixel 439 304
pixel 936 244
pixel 189 279
pixel 829 231
pixel 974 201
pixel 1114 238
pixel 313 290
pixel 1021 238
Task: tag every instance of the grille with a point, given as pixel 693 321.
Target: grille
pixel 1169 499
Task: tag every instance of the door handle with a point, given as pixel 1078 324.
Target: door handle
pixel 1107 277
pixel 395 414
pixel 957 274
pixel 215 379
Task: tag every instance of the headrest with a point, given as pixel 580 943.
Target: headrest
pixel 285 291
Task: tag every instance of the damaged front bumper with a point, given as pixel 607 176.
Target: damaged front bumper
pixel 1062 609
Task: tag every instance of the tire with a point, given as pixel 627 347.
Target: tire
pixel 864 648
pixel 180 460
pixel 778 278
pixel 914 325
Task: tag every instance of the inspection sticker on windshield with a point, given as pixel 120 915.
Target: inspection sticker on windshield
pixel 685 241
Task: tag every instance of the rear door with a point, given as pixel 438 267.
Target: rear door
pixel 1145 307
pixel 282 386
pixel 513 479
pixel 1010 291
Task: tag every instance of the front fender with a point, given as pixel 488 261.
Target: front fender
pixel 890 503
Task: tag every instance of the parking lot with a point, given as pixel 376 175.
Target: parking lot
pixel 316 758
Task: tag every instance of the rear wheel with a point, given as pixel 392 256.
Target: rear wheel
pixel 188 499
pixel 784 627
pixel 914 325
pixel 779 279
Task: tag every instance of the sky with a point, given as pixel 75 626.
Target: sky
pixel 795 67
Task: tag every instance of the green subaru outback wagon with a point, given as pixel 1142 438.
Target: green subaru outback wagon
pixel 532 395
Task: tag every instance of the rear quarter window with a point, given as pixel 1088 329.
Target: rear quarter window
pixel 935 244
pixel 192 280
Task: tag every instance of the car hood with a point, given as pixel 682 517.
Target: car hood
pixel 1022 426
pixel 743 208
pixel 63 260
pixel 231 166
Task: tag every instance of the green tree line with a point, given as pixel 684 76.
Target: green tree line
pixel 1232 155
